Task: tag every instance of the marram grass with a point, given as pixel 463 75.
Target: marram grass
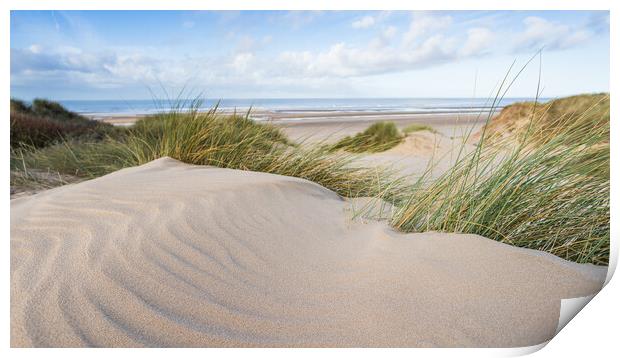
pixel 211 138
pixel 550 195
pixel 378 137
pixel 415 127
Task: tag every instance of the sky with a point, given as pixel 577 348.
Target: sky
pixel 116 55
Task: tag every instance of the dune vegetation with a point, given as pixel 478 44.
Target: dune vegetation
pixel 378 137
pixel 44 123
pixel 412 128
pixel 204 138
pixel 568 116
pixel 547 192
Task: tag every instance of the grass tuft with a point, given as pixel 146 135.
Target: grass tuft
pixel 550 195
pixel 569 116
pixel 45 123
pixel 211 138
pixel 379 137
pixel 418 128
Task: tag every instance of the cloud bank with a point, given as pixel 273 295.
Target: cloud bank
pixel 427 40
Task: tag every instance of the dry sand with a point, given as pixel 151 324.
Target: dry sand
pixel 434 151
pixel 420 152
pixel 169 254
pixel 331 129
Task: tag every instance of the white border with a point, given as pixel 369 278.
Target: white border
pixel 591 333
pixel 312 5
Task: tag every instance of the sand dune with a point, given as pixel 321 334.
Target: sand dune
pixel 418 143
pixel 422 152
pixel 169 254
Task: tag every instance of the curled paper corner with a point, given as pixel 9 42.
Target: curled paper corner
pixel 611 269
pixel 569 308
pixel 523 351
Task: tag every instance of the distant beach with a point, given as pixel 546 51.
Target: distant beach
pixel 293 108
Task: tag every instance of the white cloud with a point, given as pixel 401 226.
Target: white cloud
pixel 258 63
pixel 34 48
pixel 246 43
pixel 144 68
pixel 341 60
pixel 246 63
pixel 424 24
pixel 390 31
pixel 478 41
pixel 384 38
pixel 241 62
pixel 105 69
pixel 540 32
pixel 363 23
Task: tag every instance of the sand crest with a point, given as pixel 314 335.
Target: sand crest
pixel 419 143
pixel 169 254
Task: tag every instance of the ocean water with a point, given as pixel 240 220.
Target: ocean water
pixel 104 108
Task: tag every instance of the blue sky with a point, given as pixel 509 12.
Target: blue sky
pixel 274 54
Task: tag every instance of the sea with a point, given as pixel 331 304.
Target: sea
pixel 112 108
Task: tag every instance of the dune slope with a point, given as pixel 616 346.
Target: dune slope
pixel 169 254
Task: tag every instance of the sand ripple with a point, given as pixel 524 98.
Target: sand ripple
pixel 169 254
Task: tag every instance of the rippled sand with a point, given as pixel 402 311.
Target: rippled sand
pixel 169 254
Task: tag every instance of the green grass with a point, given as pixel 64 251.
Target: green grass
pixel 211 138
pixel 47 109
pixel 550 195
pixel 418 128
pixel 45 123
pixel 569 116
pixel 379 137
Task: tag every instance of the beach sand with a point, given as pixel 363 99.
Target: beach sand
pixel 170 254
pixel 330 126
pixel 420 151
pixel 330 129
